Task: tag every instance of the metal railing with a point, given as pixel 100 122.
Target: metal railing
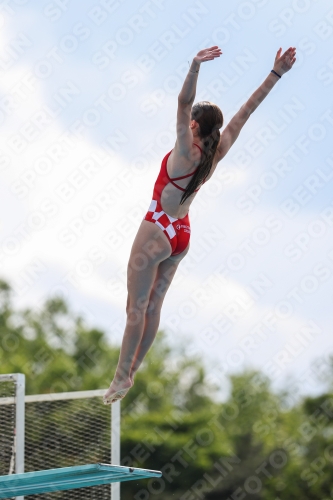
pixel 21 436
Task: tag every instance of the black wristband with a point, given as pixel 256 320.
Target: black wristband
pixel 275 73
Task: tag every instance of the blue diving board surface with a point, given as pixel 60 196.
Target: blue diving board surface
pixel 67 478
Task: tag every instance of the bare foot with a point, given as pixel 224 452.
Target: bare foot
pixel 117 390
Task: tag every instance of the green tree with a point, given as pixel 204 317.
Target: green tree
pixel 251 446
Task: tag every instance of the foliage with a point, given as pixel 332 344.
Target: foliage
pixel 250 447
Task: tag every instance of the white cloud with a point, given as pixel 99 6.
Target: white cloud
pixel 75 237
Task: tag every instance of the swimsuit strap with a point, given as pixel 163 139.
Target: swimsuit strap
pixel 183 176
pixel 197 147
pixel 188 175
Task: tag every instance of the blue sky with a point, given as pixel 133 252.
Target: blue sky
pixel 88 96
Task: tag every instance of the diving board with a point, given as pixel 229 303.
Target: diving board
pixel 67 478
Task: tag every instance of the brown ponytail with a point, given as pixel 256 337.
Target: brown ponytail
pixel 210 120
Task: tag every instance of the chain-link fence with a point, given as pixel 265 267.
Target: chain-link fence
pixel 67 433
pixel 61 430
pixel 7 426
pixel 12 390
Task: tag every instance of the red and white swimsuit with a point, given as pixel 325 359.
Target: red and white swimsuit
pixel 178 231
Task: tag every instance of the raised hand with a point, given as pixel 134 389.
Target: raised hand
pixel 208 54
pixel 285 62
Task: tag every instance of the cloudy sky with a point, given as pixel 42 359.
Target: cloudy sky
pixel 87 107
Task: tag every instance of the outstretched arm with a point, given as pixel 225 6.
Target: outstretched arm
pixel 187 95
pixel 282 64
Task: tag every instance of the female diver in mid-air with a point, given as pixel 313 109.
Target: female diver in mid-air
pixel 163 236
